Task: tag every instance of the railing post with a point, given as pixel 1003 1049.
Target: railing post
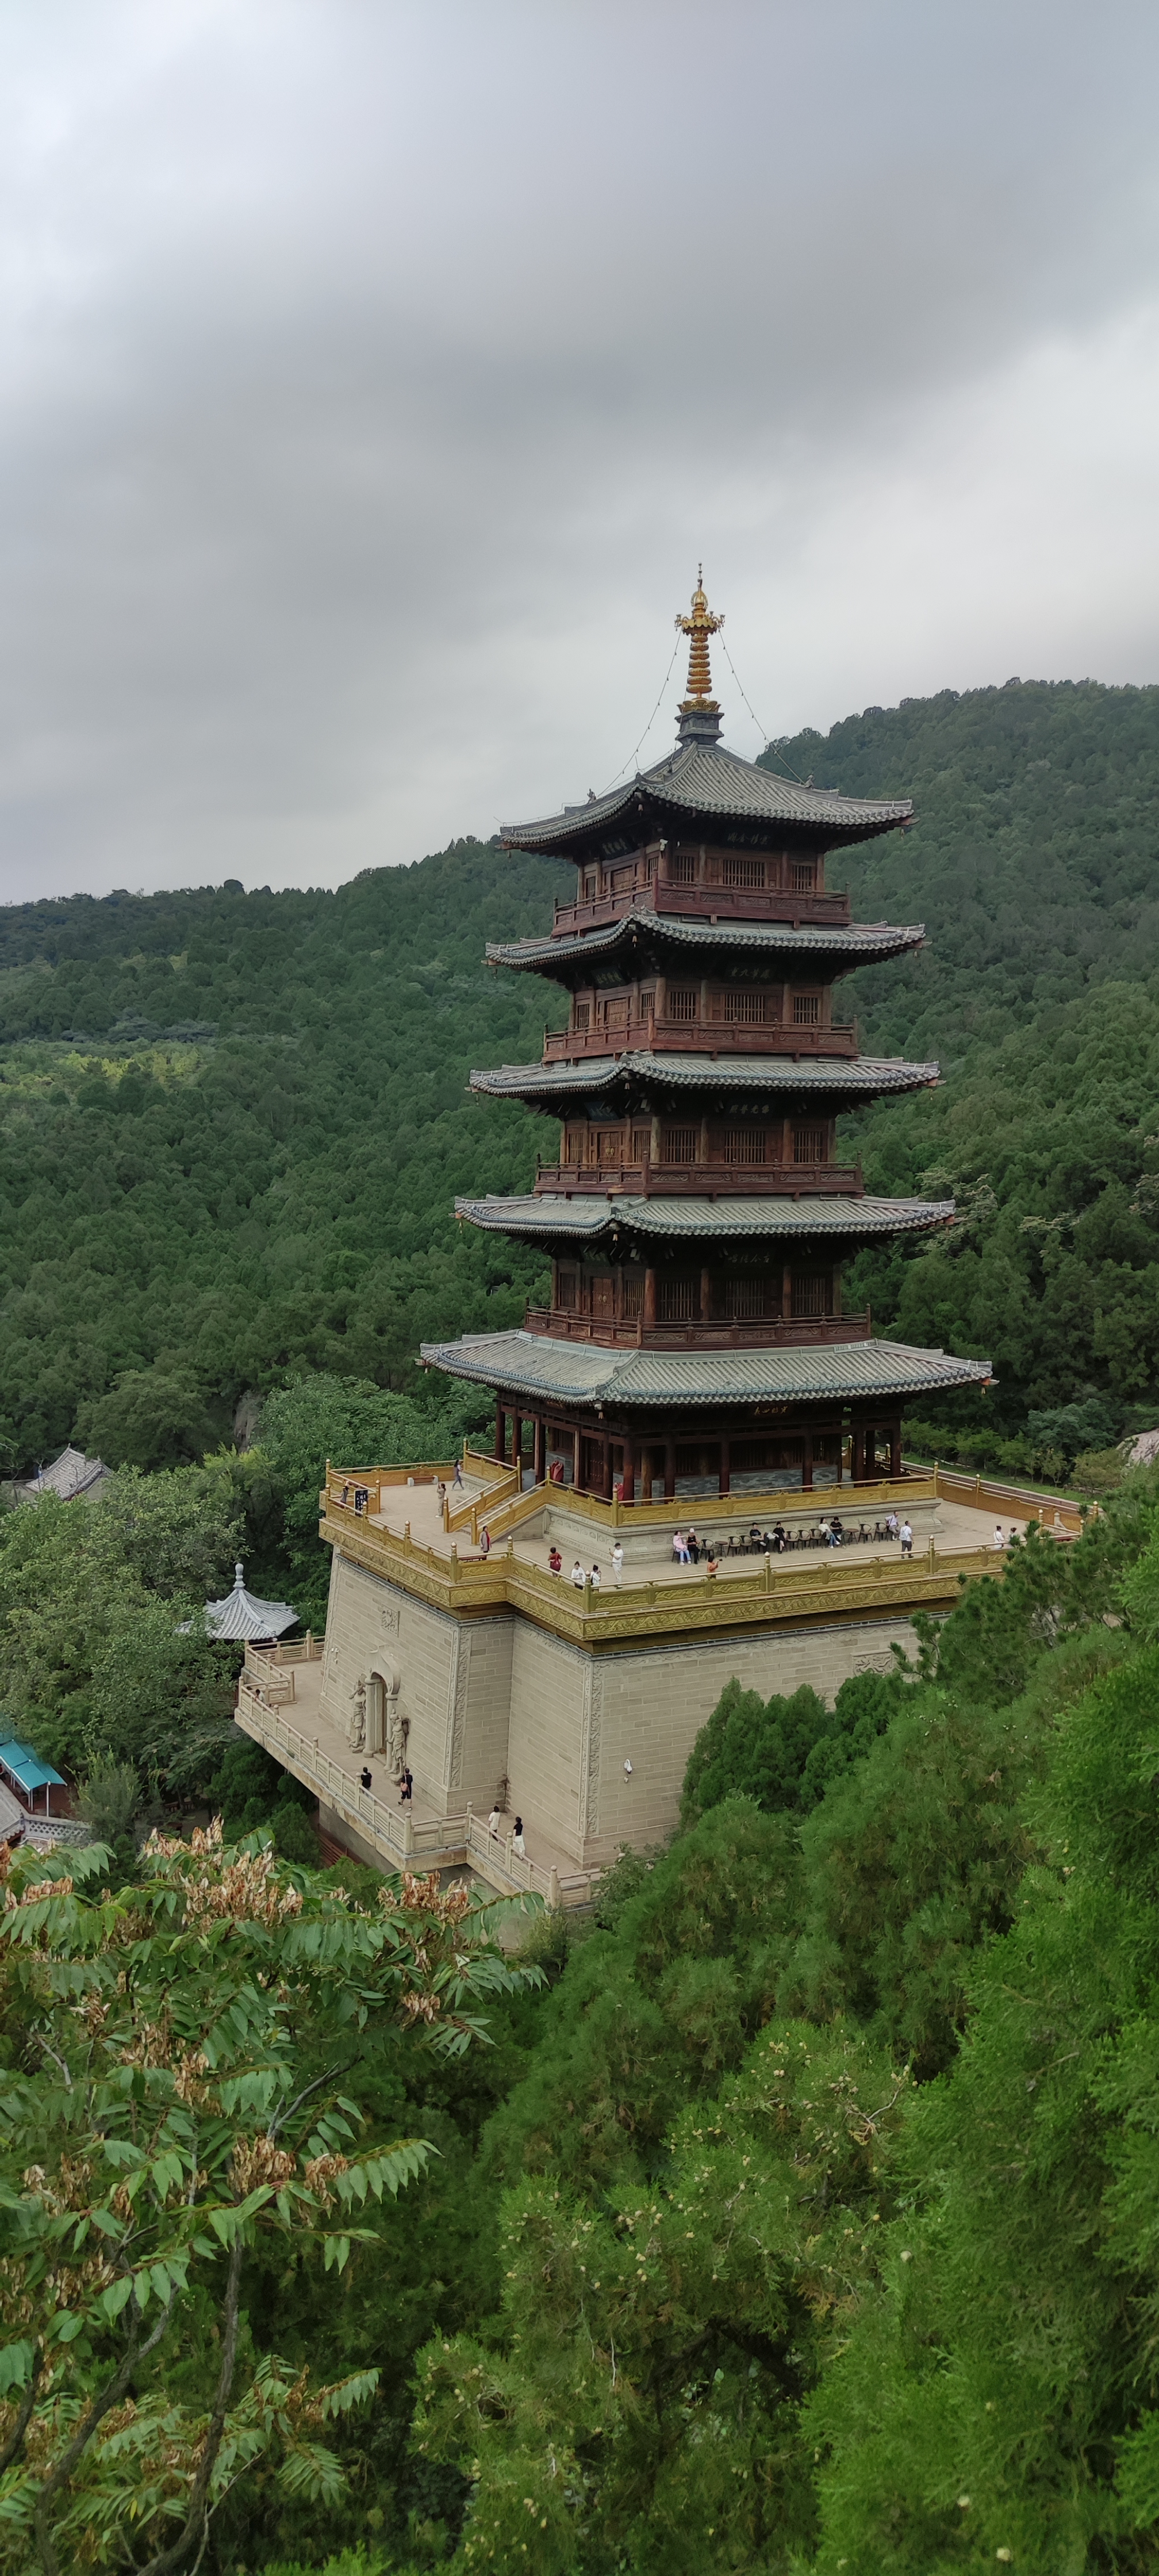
pixel 553 1895
pixel 408 1837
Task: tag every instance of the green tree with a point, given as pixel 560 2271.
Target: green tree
pixel 186 2051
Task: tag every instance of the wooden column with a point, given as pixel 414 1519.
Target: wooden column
pixel 669 1471
pixel 606 1467
pixel 807 1467
pixel 540 1449
pixel 706 1296
pixel 858 1447
pixel 837 1290
pixel 517 1446
pixel 649 1296
pixel 786 1293
pixel 724 1467
pixel 575 1461
pixel 629 1475
pixel 895 1449
pixel 500 1431
pixel 654 1139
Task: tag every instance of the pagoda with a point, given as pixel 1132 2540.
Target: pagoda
pixel 695 1212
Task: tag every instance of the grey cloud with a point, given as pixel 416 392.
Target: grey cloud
pixel 375 375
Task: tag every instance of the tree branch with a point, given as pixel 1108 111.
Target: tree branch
pixel 280 2117
pixel 197 2518
pixel 24 2418
pixel 111 2395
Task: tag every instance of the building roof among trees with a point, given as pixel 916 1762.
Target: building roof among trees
pixel 70 1475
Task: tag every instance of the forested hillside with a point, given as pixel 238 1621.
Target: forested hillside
pixel 232 1126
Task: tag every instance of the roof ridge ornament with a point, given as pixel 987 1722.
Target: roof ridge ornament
pixel 699 711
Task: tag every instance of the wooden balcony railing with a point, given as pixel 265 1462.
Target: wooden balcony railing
pixel 756 1333
pixel 700 1037
pixel 703 1180
pixel 705 903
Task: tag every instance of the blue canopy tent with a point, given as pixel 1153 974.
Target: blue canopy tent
pixel 27 1772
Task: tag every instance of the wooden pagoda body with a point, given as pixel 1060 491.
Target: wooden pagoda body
pixel 695 1211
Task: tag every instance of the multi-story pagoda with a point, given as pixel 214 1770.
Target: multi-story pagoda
pixel 696 1214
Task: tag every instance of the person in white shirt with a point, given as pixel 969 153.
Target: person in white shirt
pixel 999 1541
pixel 577 1575
pixel 493 1821
pixel 907 1539
pixel 617 1563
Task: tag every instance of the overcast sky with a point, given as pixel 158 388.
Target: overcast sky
pixel 373 375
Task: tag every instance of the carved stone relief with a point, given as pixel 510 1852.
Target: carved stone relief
pixel 593 1712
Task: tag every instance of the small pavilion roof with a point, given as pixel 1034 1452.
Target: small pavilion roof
pixel 242 1615
pixel 851 943
pixel 26 1768
pixel 585 1220
pixel 639 1070
pixel 700 783
pixel 534 1364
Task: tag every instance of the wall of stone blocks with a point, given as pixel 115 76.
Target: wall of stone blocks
pixel 500 1696
pixel 550 1724
pixel 649 1707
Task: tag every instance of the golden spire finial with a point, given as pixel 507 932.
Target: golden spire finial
pixel 698 627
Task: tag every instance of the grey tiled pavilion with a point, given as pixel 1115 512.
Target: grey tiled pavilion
pixel 697 1218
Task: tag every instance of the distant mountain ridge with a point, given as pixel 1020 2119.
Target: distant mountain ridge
pixel 232 1125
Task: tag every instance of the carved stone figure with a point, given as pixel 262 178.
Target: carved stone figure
pixel 356 1731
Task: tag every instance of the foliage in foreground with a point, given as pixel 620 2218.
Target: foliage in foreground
pixel 178 2095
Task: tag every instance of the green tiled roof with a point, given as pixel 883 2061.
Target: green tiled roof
pixel 703 779
pixel 534 1364
pixel 854 943
pixel 639 1070
pixel 584 1219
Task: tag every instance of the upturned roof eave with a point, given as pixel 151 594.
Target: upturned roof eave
pixel 713 783
pixel 535 1365
pixel 855 1075
pixel 585 1218
pixel 856 944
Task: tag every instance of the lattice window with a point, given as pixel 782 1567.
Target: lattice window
pixel 683 1001
pixel 812 1292
pixel 744 1144
pixel 682 867
pixel 678 1300
pixel 616 1011
pixel 641 1144
pixel 744 872
pixel 806 1010
pixel 633 1300
pixel 623 879
pixel 582 1016
pixel 810 1144
pixel 680 1144
pixel 747 1300
pixel 804 875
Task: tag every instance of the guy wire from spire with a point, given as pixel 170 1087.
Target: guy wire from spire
pixel 612 782
pixel 765 737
